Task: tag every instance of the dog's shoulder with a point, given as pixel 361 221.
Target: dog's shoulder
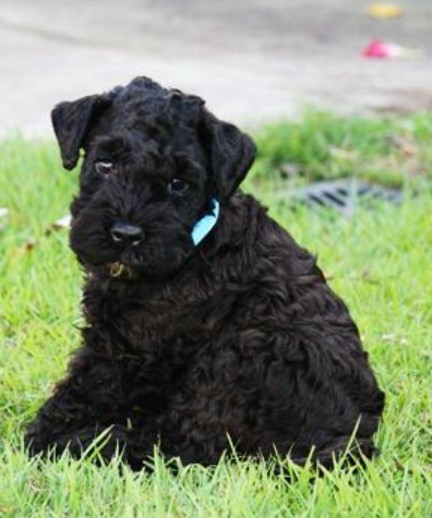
pixel 259 241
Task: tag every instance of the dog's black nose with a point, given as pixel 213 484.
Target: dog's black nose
pixel 127 233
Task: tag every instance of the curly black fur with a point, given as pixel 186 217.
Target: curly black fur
pixel 239 339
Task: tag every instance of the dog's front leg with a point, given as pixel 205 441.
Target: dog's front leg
pixel 88 403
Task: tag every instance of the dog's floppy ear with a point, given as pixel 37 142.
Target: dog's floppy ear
pixel 231 154
pixel 71 121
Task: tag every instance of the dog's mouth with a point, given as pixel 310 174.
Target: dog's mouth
pixel 116 269
pixel 119 270
pixel 155 261
pixel 127 265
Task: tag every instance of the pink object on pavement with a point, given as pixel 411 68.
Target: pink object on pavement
pixel 378 49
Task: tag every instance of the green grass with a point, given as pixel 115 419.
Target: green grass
pixel 324 146
pixel 378 261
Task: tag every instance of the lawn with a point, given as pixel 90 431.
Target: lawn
pixel 379 261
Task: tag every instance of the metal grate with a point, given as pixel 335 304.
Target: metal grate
pixel 345 195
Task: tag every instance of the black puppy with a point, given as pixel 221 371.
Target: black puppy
pixel 206 323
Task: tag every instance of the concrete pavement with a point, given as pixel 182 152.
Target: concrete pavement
pixel 252 60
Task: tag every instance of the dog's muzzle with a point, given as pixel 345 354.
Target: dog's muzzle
pixel 200 230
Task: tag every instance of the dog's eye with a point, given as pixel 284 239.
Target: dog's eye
pixel 104 167
pixel 177 186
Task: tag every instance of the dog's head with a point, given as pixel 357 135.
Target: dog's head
pixel 156 163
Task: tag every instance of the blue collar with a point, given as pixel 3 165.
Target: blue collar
pixel 203 226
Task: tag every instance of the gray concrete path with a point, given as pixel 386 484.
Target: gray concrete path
pixel 252 60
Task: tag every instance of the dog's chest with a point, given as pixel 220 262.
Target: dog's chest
pixel 145 322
